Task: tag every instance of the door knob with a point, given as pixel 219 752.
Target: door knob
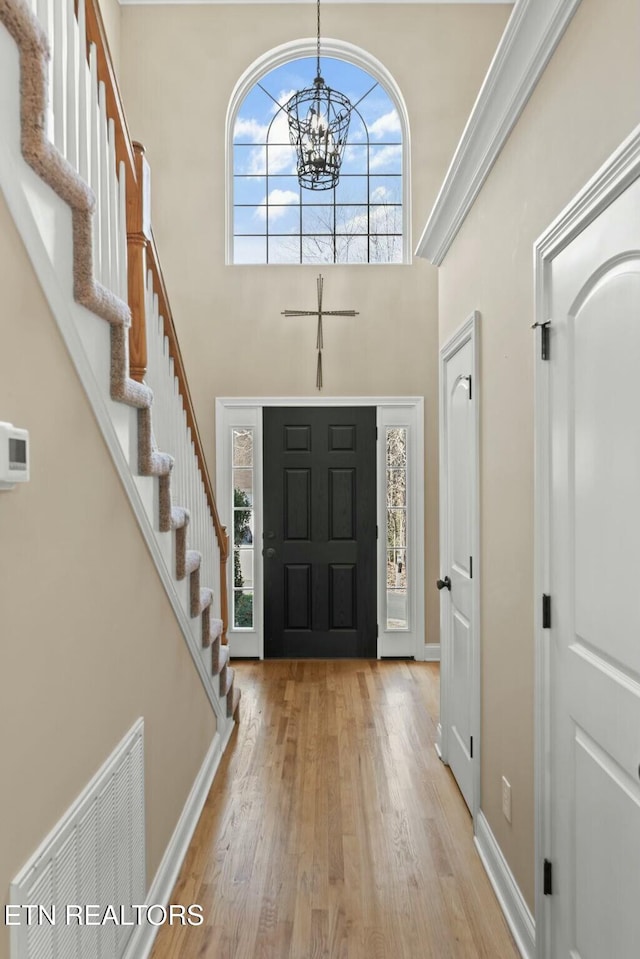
pixel 270 553
pixel 444 583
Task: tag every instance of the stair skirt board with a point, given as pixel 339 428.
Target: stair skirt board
pixel 45 160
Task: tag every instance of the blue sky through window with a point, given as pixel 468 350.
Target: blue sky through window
pixel 277 221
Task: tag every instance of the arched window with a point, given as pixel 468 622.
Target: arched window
pixel 270 217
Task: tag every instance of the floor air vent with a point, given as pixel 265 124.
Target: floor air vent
pixel 92 860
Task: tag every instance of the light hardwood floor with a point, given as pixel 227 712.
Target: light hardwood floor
pixel 332 830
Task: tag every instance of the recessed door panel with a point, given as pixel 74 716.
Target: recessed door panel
pixel 460 473
pixel 341 504
pixel 297 585
pixel 297 495
pixel 342 438
pixel 461 670
pixel 607 853
pixel 342 597
pixel 607 466
pixel 297 438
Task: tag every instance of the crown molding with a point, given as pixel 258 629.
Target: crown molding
pixel 530 38
pixel 144 3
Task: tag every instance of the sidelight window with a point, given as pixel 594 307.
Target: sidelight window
pixel 243 528
pixel 396 509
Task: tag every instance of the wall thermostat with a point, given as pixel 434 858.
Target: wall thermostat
pixel 14 456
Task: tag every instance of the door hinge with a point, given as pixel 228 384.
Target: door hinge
pixel 547 878
pixel 546 611
pixel 471 567
pixel 376 532
pixel 544 338
pixel 471 747
pixel 470 386
pixel 377 630
pixel 376 432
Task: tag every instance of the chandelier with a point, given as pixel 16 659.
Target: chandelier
pixel 318 126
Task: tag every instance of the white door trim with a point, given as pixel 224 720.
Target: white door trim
pixel 469 332
pixel 247 411
pixel 622 168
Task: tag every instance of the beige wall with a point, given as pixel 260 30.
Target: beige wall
pixel 88 640
pixel 234 340
pixel 585 105
pixel 110 10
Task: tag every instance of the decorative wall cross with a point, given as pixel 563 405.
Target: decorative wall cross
pixel 320 313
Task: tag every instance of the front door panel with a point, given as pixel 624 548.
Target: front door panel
pixel 320 532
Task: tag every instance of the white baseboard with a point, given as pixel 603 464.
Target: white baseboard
pixel 512 903
pixel 141 942
pixel 432 652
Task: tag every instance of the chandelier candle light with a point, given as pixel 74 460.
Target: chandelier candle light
pixel 318 126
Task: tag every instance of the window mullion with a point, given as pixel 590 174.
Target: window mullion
pixel 371 162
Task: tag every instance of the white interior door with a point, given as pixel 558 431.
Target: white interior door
pixel 594 575
pixel 460 673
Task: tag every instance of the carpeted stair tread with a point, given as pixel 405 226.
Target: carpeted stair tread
pixel 192 561
pixel 211 631
pixel 202 601
pixel 219 658
pixel 180 517
pixel 226 680
pixel 233 701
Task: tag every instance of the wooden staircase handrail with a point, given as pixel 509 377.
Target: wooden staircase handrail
pixel 97 34
pixel 175 353
pixel 143 255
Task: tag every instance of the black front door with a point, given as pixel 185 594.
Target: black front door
pixel 320 532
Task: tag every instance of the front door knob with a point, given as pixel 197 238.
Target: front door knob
pixel 270 553
pixel 444 583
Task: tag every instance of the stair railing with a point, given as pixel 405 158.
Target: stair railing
pixel 87 123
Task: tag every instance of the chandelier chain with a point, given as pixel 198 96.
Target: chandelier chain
pixel 318 42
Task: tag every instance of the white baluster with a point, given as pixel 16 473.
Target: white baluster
pixel 40 10
pixel 105 197
pixel 114 208
pixel 185 453
pixel 95 163
pixel 182 436
pixel 84 89
pixel 58 67
pixel 192 498
pixel 175 436
pixel 45 16
pixel 180 446
pixel 72 44
pixel 122 240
